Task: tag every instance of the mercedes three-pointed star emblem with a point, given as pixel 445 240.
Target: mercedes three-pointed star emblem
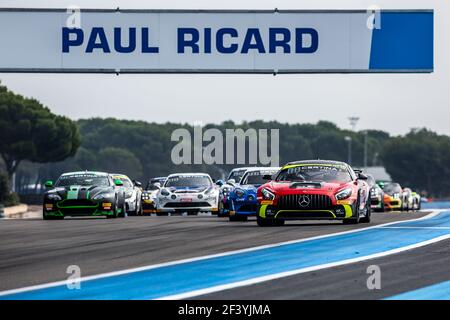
pixel 304 200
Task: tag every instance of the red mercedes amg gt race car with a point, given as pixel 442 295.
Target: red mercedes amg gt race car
pixel 314 190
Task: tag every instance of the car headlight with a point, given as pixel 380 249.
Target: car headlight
pixel 239 192
pixel 344 194
pixel 225 189
pixel 145 196
pixel 54 197
pixel 396 195
pixel 267 195
pixel 165 192
pixel 107 195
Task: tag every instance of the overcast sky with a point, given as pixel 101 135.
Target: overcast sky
pixel 390 102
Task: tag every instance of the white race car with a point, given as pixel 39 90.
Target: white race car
pixel 132 194
pixel 188 192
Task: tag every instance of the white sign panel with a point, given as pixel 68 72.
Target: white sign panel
pixel 198 41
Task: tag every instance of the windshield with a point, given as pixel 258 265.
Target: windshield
pixel 316 173
pixel 256 177
pixel 151 184
pixel 236 175
pixel 370 180
pixel 392 188
pixel 188 181
pixel 82 180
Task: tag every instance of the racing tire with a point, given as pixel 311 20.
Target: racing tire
pixel 269 222
pixel 382 209
pixel 353 220
pixel 44 217
pixel 162 214
pixel 237 217
pixel 367 217
pixel 263 222
pixel 123 211
pixel 115 212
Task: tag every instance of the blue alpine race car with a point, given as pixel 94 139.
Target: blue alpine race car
pixel 242 199
pixel 233 178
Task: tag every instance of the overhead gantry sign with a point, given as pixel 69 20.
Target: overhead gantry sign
pixel 183 41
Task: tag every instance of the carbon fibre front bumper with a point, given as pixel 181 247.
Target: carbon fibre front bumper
pixel 336 212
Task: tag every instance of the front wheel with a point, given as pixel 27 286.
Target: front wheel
pixel 367 217
pixel 237 218
pixel 269 222
pixel 353 220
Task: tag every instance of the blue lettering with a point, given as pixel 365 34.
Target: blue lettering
pixel 145 42
pixel 207 40
pixel 193 42
pixel 299 33
pixel 232 48
pixel 67 42
pixel 118 41
pixel 283 43
pixel 92 42
pixel 247 45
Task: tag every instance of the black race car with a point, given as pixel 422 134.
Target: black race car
pixel 84 194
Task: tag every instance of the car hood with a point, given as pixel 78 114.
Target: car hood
pixel 247 187
pixel 79 192
pixel 291 186
pixel 187 189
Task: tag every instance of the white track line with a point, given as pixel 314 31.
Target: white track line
pixel 298 271
pixel 176 262
pixel 435 228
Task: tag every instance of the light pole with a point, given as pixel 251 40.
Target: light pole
pixel 353 122
pixel 365 148
pixel 349 142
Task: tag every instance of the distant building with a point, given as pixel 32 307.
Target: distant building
pixel 379 173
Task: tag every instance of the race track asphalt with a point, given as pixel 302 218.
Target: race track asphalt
pixel 33 251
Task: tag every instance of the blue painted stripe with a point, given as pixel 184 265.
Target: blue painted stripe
pixel 404 42
pixel 190 276
pixel 439 291
pixel 436 205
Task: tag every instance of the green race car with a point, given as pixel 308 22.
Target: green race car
pixel 84 193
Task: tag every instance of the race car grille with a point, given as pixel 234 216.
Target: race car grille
pixel 186 204
pixel 76 203
pixel 304 202
pixel 78 211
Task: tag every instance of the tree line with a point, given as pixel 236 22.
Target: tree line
pixel 39 145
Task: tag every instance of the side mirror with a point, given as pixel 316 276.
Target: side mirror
pixel 362 176
pixel 118 182
pixel 138 184
pixel 157 184
pixel 220 183
pixel 267 177
pixel 231 181
pixel 48 184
